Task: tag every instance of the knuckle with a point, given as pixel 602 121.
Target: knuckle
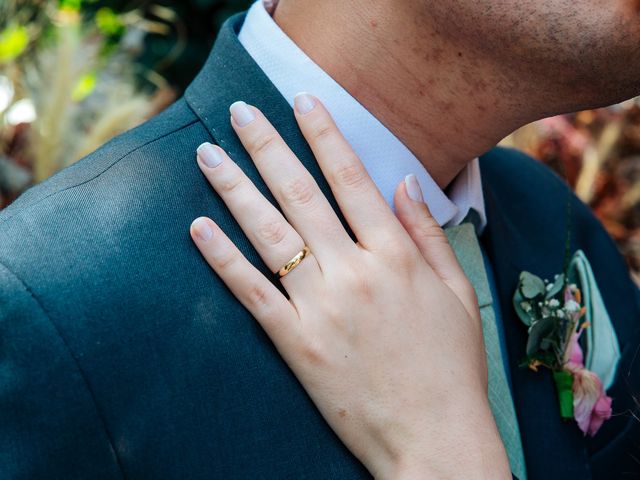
pixel 350 175
pixel 324 130
pixel 257 297
pixel 263 143
pixel 313 353
pixel 408 261
pixel 230 184
pixel 359 286
pixel 404 256
pixel 225 260
pixel 366 291
pixel 272 232
pixel 429 231
pixel 405 261
pixel 299 191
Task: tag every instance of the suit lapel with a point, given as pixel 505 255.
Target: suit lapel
pixel 554 449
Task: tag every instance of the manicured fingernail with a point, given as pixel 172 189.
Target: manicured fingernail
pixel 241 113
pixel 202 229
pixel 304 103
pixel 413 188
pixel 209 155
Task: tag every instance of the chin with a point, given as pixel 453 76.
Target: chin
pixel 610 82
pixel 601 73
pixel 595 94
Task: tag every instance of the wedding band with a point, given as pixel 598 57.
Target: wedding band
pixel 294 262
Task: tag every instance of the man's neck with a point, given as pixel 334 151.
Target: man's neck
pixel 443 101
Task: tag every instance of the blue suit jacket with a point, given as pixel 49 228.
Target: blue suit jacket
pixel 122 355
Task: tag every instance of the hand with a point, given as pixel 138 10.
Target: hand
pixel 384 334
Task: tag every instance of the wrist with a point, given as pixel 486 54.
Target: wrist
pixel 466 445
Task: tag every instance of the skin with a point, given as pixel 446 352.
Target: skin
pixel 452 78
pixel 358 328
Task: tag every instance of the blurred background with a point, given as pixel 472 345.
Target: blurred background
pixel 74 73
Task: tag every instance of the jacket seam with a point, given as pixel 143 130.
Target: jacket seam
pixel 124 156
pixel 202 117
pixel 98 411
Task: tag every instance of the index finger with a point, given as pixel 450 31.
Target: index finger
pixel 360 201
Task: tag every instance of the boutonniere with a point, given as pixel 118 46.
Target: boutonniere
pixel 555 316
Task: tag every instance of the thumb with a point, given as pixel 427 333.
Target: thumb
pixel 415 216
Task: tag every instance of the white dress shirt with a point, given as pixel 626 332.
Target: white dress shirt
pixel 384 156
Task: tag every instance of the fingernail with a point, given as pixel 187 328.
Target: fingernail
pixel 209 155
pixel 202 229
pixel 241 113
pixel 413 188
pixel 304 103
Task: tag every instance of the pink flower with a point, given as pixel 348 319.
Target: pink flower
pixel 591 406
pixel 573 356
pixel 601 412
pixel 574 359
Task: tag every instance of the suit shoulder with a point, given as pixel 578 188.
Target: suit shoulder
pixel 527 188
pixel 514 172
pixel 94 218
pixel 137 140
pixel 539 205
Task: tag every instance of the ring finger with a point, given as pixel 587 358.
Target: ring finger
pixel 273 237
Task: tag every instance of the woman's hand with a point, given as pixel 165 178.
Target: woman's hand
pixel 384 334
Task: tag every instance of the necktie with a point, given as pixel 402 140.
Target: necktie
pixel 465 244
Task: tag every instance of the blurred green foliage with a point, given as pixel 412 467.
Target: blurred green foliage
pixel 13 41
pixel 179 52
pixel 75 73
pixel 176 51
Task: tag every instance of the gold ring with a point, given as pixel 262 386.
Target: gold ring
pixel 294 262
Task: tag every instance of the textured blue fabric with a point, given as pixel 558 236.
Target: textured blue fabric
pixel 122 355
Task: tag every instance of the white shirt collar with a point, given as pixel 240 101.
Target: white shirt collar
pixel 385 157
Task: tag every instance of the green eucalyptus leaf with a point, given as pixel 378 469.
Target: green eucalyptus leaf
pixel 538 332
pixel 531 285
pixel 518 300
pixel 547 343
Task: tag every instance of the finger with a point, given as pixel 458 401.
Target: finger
pixel 271 309
pixel 298 194
pixel 415 216
pixel 273 237
pixel 362 204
